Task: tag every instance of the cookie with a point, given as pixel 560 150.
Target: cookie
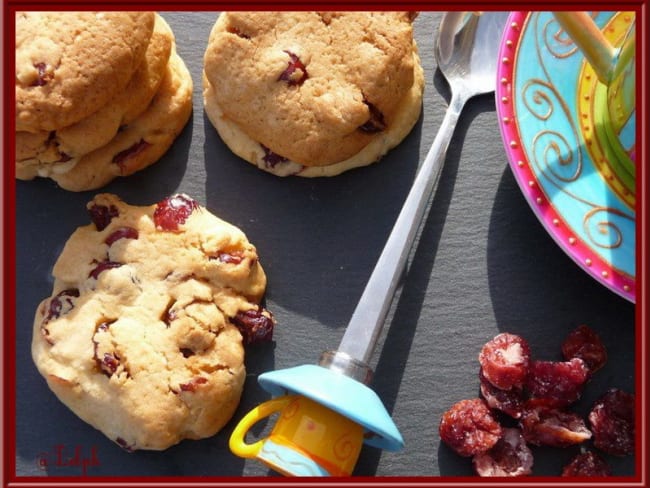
pixel 140 143
pixel 312 93
pixel 36 156
pixel 142 335
pixel 70 64
pixel 68 144
pixel 252 151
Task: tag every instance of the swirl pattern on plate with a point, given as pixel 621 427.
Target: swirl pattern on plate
pixel 568 179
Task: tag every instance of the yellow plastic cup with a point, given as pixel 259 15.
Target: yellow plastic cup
pixel 308 439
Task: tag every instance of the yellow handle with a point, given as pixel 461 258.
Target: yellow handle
pixel 592 42
pixel 237 443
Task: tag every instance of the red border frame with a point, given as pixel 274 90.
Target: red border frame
pixel 7 199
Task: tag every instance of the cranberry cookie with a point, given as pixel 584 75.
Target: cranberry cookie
pixel 70 64
pixel 43 152
pixel 143 141
pixel 312 93
pixel 142 335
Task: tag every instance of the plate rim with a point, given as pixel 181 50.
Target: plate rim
pixel 549 216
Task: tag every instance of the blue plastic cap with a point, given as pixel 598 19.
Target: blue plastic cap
pixel 342 394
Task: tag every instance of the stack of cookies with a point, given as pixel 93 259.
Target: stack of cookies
pixel 98 95
pixel 312 93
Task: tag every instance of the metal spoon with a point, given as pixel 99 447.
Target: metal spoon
pixel 466 53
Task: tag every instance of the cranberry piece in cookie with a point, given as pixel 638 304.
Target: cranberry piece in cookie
pixel 109 364
pixel 169 315
pixel 61 304
pixel 107 361
pixel 101 267
pixel 121 233
pixel 125 445
pixel 295 73
pixel 255 325
pixel 272 159
pixel 101 215
pixel 375 122
pixel 64 158
pixel 237 32
pixel 122 157
pixel 193 384
pixel 44 75
pixel 234 257
pixel 173 211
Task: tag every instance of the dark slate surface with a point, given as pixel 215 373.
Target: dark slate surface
pixel 483 264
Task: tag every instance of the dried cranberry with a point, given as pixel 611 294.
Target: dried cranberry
pixel 52 142
pixel 173 211
pixel 469 428
pixel 375 122
pixel 612 422
pixel 64 158
pixel 102 266
pixel 186 352
pixel 585 344
pixel 61 304
pixel 43 76
pixel 295 73
pixel 104 325
pixel 121 233
pixel 101 215
pixel 109 364
pixel 272 159
pixel 556 383
pixel 509 401
pixel 45 332
pixel 255 326
pixel 546 426
pixel 235 257
pixel 237 32
pixel 125 445
pixel 510 456
pixel 169 315
pixel 121 157
pixel 505 360
pixel 193 384
pixel 587 464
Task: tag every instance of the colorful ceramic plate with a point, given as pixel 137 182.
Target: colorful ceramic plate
pixel 545 103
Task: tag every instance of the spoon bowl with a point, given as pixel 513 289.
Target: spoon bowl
pixel 467 50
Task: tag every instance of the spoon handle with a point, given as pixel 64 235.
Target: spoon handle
pixel 368 318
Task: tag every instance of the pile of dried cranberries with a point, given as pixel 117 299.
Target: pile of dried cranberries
pixel 536 395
